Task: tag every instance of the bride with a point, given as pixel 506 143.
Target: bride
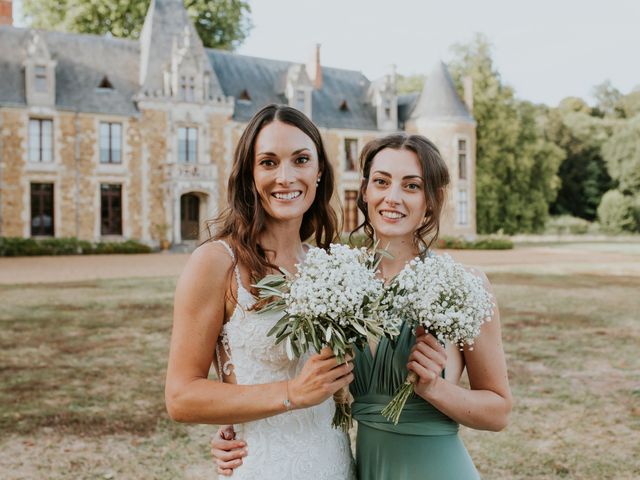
pixel 278 194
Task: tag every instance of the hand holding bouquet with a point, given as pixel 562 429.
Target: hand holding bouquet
pixel 447 300
pixel 334 299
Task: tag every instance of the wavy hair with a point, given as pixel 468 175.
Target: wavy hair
pixel 434 172
pixel 244 219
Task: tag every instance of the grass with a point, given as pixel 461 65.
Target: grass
pixel 82 372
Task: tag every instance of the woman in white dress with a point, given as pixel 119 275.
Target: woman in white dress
pixel 278 195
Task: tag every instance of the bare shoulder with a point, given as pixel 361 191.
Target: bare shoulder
pixel 209 264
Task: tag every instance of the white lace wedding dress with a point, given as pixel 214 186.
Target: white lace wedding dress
pixel 300 444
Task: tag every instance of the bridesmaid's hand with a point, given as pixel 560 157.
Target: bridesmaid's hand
pixel 427 360
pixel 226 451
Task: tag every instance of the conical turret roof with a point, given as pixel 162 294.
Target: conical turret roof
pixel 439 98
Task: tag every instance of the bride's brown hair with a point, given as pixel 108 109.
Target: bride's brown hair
pixel 434 172
pixel 245 218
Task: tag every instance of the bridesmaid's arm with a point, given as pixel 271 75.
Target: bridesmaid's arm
pixel 199 312
pixel 487 405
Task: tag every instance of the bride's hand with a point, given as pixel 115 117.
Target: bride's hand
pixel 320 378
pixel 427 360
pixel 227 451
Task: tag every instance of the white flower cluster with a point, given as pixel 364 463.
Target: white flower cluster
pixel 334 299
pixel 449 301
pixel 333 284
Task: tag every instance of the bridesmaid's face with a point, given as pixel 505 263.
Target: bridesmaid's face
pixel 395 196
pixel 285 170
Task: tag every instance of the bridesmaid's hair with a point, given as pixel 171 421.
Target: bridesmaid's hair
pixel 244 219
pixel 434 172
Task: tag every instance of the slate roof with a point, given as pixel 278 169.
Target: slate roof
pixel 263 79
pixel 83 61
pixel 439 98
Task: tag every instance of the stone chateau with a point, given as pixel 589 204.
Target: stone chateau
pixel 107 139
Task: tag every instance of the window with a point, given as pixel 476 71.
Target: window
pixel 187 88
pixel 40 140
pixel 350 154
pixel 183 87
pixel 463 208
pixel 300 100
pixel 191 89
pixel 462 159
pixel 110 209
pixel 110 142
pixel 40 83
pixel 187 144
pixel 42 209
pixel 350 216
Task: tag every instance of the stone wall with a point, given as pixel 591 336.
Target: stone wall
pixel 12 157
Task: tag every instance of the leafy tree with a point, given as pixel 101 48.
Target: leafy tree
pixel 618 212
pixel 609 100
pixel 583 173
pixel 220 23
pixel 516 166
pixel 622 154
pixel 410 83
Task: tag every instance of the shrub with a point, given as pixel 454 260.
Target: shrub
pixel 491 242
pixel 567 224
pixel 618 212
pixel 19 247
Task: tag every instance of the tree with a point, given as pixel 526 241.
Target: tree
pixel 410 83
pixel 516 165
pixel 618 212
pixel 583 173
pixel 622 154
pixel 221 24
pixel 608 100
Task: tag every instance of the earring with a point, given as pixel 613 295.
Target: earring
pixel 318 181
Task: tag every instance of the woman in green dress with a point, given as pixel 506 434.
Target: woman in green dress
pixel 402 196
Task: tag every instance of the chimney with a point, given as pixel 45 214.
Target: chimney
pixel 467 84
pixel 314 70
pixel 6 12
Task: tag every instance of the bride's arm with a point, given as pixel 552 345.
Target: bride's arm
pixel 487 404
pixel 199 310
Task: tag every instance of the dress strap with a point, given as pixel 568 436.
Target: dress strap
pixel 233 257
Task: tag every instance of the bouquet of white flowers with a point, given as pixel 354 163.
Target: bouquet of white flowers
pixel 334 299
pixel 446 299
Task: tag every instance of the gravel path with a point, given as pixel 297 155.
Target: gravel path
pixel 574 258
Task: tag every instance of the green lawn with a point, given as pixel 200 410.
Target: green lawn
pixel 82 371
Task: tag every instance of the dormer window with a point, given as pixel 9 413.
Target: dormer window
pixel 40 80
pixel 344 106
pixel 105 84
pixel 244 95
pixel 187 88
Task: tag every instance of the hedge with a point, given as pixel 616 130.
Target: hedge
pixel 20 247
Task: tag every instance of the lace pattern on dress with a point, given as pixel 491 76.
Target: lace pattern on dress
pixel 226 367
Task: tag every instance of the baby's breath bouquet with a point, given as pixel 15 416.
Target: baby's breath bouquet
pixel 333 300
pixel 446 299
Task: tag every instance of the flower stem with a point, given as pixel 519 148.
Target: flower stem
pixel 393 410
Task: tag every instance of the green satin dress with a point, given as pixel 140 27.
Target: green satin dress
pixel 425 443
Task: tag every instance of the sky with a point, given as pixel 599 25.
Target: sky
pixel 547 49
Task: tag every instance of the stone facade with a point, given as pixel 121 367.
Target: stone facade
pixel 180 111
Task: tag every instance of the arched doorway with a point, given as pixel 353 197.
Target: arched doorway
pixel 189 216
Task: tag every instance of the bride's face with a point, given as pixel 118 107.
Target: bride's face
pixel 395 197
pixel 285 171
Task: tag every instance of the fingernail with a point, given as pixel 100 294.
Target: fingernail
pixel 243 444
